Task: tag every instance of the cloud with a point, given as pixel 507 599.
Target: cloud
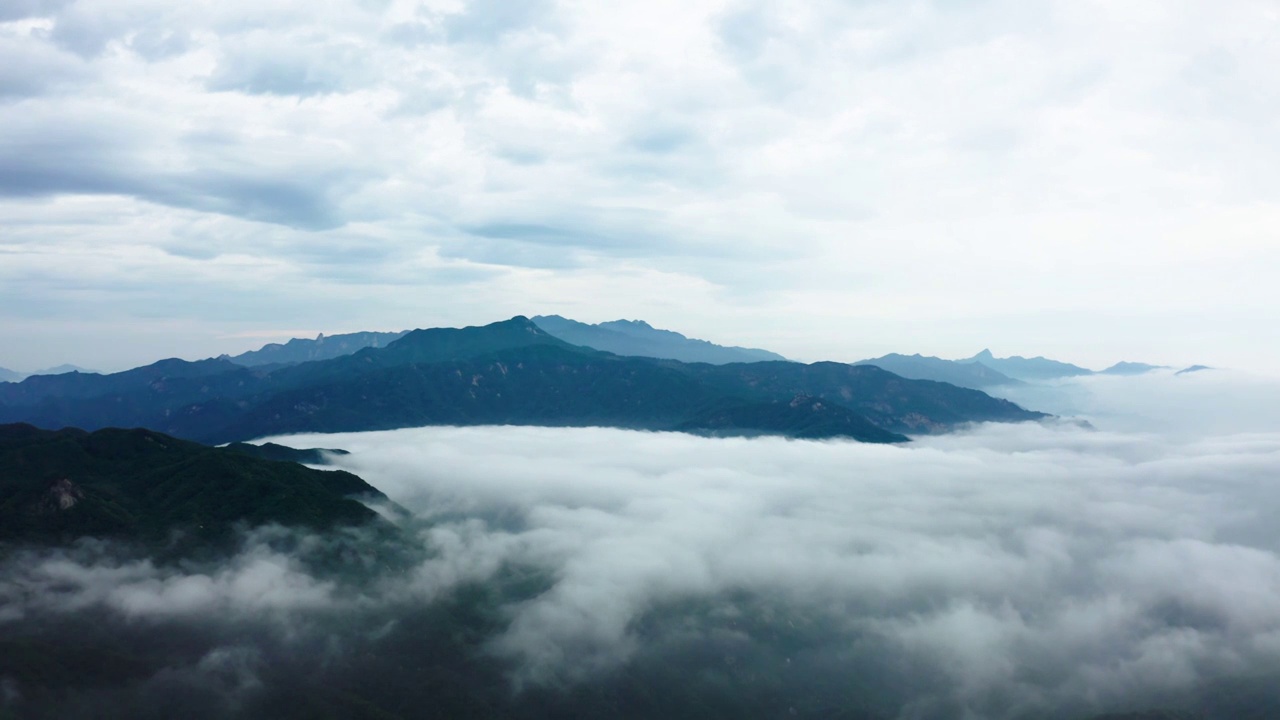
pixel 260 63
pixel 1009 571
pixel 22 9
pixel 857 166
pixel 1225 402
pixel 29 68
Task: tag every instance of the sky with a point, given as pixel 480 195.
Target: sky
pixel 830 180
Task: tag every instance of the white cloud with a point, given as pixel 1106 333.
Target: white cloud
pixel 1032 565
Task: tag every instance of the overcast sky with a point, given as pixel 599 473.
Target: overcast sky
pixel 1087 180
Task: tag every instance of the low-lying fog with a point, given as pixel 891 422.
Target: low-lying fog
pixel 1008 571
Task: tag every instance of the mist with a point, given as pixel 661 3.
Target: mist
pixel 1060 569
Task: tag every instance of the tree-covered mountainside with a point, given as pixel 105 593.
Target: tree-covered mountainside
pixel 283 453
pixel 510 372
pixel 141 485
pixel 639 338
pixel 889 401
pixel 803 417
pixel 973 375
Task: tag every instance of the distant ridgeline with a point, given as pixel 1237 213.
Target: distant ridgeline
pixel 640 339
pixel 299 350
pixel 7 375
pixel 141 485
pixel 510 372
pixel 620 337
pixel 985 370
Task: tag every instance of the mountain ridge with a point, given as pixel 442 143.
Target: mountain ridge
pixel 508 372
pixel 638 338
pixel 973 375
pixel 322 347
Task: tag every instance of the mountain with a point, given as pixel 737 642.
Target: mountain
pixel 142 485
pixel 510 372
pixel 891 402
pixel 63 369
pixel 7 375
pixel 919 367
pixel 299 350
pixel 1132 368
pixel 141 397
pixel 1193 369
pixel 284 453
pixel 639 338
pixel 803 417
pixel 1020 368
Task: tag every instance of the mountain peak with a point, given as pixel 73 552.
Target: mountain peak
pixel 521 321
pixel 984 355
pixel 634 323
pixel 441 344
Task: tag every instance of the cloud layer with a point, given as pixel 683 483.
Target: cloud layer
pixel 743 171
pixel 1010 571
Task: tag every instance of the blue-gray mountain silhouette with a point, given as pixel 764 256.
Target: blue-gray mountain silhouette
pixel 1132 368
pixel 510 372
pixel 322 347
pixel 639 338
pixel 1021 368
pixel 974 375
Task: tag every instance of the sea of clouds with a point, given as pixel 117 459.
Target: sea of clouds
pixel 1122 559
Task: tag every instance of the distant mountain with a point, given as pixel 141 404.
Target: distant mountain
pixel 1132 368
pixel 640 339
pixel 918 367
pixel 1020 368
pixel 173 382
pixel 7 375
pixel 299 350
pixel 142 485
pixel 510 372
pixel 63 369
pixel 1193 369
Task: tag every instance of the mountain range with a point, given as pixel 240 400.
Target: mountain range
pixel 984 370
pixel 637 338
pixel 919 367
pixel 620 337
pixel 510 372
pixel 1027 369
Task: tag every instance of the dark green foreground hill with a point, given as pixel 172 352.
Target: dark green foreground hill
pixel 140 485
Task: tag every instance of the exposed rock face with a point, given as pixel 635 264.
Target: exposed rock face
pixel 62 495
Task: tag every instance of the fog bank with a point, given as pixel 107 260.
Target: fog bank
pixel 1008 571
